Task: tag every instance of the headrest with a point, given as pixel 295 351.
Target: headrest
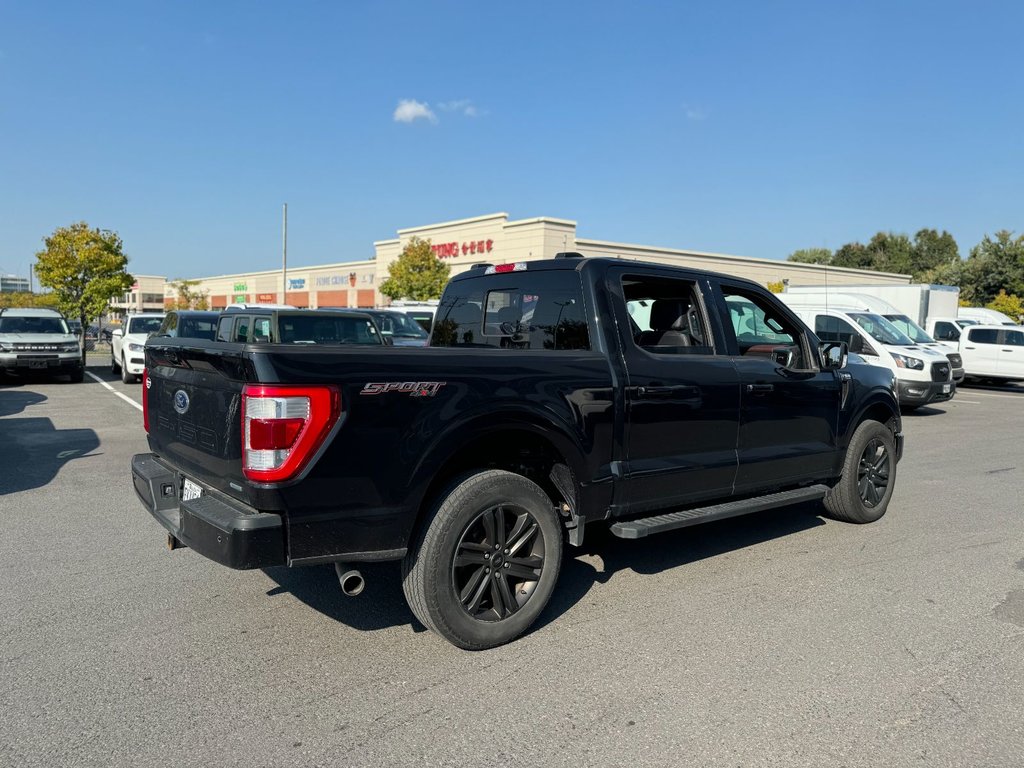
pixel 669 314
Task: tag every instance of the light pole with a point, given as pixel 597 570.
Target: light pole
pixel 284 254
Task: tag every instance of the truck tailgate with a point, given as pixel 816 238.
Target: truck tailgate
pixel 194 401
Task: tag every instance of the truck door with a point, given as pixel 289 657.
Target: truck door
pixel 981 351
pixel 789 407
pixel 681 396
pixel 1011 355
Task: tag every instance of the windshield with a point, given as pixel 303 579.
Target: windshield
pixel 880 329
pixel 916 333
pixel 400 325
pixel 32 325
pixel 144 324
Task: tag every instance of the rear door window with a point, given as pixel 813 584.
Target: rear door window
pixel 983 335
pixel 542 310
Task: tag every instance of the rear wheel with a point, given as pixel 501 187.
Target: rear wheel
pixel 485 565
pixel 869 476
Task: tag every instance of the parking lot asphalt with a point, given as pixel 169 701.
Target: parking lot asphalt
pixel 778 639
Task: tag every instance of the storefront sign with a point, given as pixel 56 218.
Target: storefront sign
pixel 238 298
pixel 241 287
pixel 454 249
pixel 266 298
pixel 296 284
pixel 327 280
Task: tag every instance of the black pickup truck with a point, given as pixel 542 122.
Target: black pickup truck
pixel 555 395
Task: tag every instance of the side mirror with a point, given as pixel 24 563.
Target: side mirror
pixel 833 354
pixel 388 341
pixel 117 332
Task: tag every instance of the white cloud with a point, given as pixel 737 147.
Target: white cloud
pixel 463 106
pixel 410 110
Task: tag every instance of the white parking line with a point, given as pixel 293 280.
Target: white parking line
pixel 102 383
pixel 1005 396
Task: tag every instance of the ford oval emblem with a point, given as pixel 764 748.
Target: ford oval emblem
pixel 180 401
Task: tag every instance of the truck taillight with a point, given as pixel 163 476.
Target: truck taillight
pixel 283 428
pixel 145 398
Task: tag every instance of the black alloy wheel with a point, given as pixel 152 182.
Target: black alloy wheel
pixel 873 474
pixel 863 491
pixel 498 562
pixel 482 567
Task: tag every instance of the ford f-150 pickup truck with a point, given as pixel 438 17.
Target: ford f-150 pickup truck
pixel 554 396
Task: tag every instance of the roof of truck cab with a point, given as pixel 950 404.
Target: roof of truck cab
pixel 582 263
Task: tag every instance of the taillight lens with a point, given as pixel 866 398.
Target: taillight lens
pixel 145 399
pixel 283 428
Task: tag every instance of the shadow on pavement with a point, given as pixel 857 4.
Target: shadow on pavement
pixel 14 401
pixel 32 451
pixel 382 604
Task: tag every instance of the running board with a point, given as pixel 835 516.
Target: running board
pixel 645 526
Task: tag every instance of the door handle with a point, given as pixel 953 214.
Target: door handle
pixel 656 391
pixel 1007 350
pixel 760 389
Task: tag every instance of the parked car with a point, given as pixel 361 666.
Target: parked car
pixel 270 325
pixel 188 324
pixel 993 352
pixel 39 341
pixel 555 395
pixel 420 311
pixel 127 344
pixel 401 329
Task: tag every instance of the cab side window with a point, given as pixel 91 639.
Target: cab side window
pixel 1015 338
pixel 242 329
pixel 763 331
pixel 946 331
pixel 665 316
pixel 983 335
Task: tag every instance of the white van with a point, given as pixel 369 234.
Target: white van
pixel 421 311
pixel 985 316
pixel 993 352
pixel 947 330
pixel 923 375
pixel 867 303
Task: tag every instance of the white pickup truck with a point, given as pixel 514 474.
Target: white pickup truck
pixel 127 344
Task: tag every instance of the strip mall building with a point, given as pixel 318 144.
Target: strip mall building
pixel 496 240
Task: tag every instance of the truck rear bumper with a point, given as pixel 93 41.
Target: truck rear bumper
pixel 225 531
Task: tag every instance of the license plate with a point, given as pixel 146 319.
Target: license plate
pixel 36 363
pixel 190 490
pixel 945 388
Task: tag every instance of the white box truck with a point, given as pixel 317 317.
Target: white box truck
pixel 918 301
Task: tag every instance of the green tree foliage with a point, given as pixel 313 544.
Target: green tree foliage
pixel 995 264
pixel 811 256
pixel 891 252
pixel 85 268
pixel 1010 305
pixel 417 274
pixel 933 251
pixel 25 299
pixel 853 255
pixel 187 296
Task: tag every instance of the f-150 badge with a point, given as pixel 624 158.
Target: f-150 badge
pixel 411 388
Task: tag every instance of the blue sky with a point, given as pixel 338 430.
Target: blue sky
pixel 747 128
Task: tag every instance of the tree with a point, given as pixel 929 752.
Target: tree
pixel 417 274
pixel 776 286
pixel 85 268
pixel 853 255
pixel 811 256
pixel 932 251
pixel 891 252
pixel 1010 305
pixel 25 299
pixel 994 265
pixel 187 298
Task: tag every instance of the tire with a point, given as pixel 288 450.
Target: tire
pixel 77 376
pixel 869 476
pixel 126 377
pixel 454 557
pixel 114 367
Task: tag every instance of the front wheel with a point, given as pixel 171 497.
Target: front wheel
pixel 869 476
pixel 126 377
pixel 485 564
pixel 114 367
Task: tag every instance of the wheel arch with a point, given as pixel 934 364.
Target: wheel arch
pixel 518 441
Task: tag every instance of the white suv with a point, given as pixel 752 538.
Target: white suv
pixel 39 340
pixel 127 345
